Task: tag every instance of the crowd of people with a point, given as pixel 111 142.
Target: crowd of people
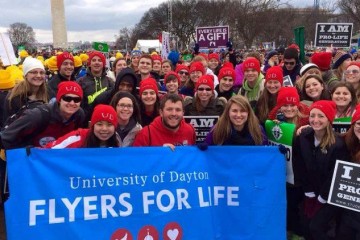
pixel 90 100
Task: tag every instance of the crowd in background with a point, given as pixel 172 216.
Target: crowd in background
pixel 135 99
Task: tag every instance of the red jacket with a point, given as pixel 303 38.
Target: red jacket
pixel 74 139
pixel 156 134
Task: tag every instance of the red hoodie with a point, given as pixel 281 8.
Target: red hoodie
pixel 157 135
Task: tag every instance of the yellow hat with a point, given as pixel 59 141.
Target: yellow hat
pixel 17 74
pixel 5 80
pixel 119 55
pixel 154 53
pixel 84 57
pixel 23 54
pixel 52 64
pixel 41 58
pixel 59 52
pixel 77 61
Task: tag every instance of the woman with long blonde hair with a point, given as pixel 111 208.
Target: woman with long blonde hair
pixel 238 125
pixel 33 88
pixel 315 152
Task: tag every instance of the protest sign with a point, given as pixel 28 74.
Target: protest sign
pixel 333 34
pixel 202 125
pixel 282 134
pixel 341 125
pixel 7 54
pixel 134 193
pixel 212 37
pixel 345 190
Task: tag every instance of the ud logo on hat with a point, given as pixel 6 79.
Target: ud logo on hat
pixel 107 116
pixel 72 88
pixel 291 99
pixel 272 75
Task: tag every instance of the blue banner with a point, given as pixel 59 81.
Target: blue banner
pixel 137 193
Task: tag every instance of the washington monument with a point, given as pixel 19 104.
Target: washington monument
pixel 58 24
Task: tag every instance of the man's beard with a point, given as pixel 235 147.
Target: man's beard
pixel 169 126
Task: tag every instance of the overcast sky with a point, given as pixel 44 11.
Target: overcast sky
pixel 86 20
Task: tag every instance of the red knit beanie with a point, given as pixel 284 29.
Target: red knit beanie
pixel 68 87
pixel 205 80
pixel 104 113
pixel 274 73
pixel 287 95
pixel 173 74
pixel 354 63
pixel 180 67
pixel 251 63
pixel 225 71
pixel 228 65
pixel 356 116
pixel 99 54
pixel 62 57
pixel 148 83
pixel 197 66
pixel 156 57
pixel 322 60
pixel 327 107
pixel 215 56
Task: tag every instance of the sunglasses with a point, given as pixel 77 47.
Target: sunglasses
pixel 354 71
pixel 200 89
pixel 182 72
pixel 69 99
pixel 289 63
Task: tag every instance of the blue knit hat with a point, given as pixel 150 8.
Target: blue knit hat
pixel 339 58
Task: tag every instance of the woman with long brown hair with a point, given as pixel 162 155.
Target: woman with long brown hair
pixel 237 125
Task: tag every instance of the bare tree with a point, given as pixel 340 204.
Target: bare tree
pixel 21 35
pixel 350 9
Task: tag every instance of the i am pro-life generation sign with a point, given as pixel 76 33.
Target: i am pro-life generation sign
pixel 212 37
pixel 335 34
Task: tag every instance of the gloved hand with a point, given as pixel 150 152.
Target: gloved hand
pixel 229 45
pixel 311 206
pixel 282 149
pixel 202 146
pixel 196 48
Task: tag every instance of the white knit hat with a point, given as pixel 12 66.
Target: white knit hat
pixel 30 64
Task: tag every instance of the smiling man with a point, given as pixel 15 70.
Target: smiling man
pixel 43 124
pixel 168 129
pixel 65 65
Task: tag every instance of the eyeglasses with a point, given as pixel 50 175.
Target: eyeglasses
pixel 200 89
pixel 42 73
pixel 182 72
pixel 354 71
pixel 69 99
pixel 123 106
pixel 289 63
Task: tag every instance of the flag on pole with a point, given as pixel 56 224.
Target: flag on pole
pixel 102 47
pixel 165 50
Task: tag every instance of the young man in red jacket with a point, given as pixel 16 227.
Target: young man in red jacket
pixel 168 129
